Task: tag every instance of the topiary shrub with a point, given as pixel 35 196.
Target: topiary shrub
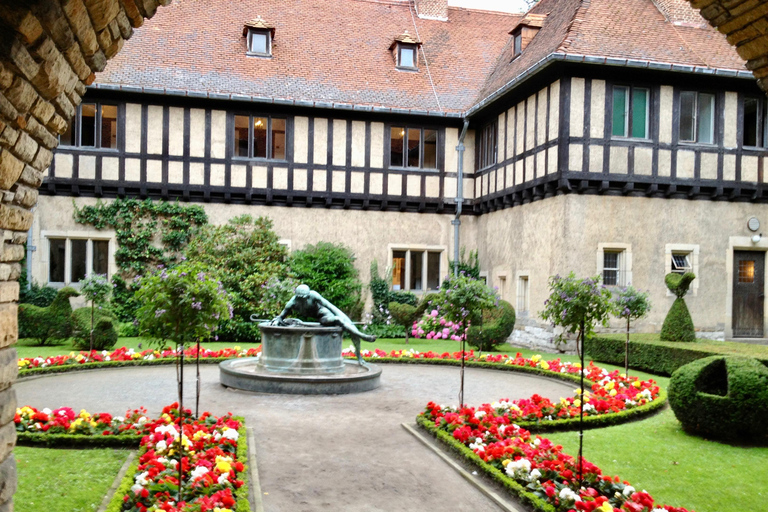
pixel 403 297
pixel 104 329
pixel 722 397
pixel 50 324
pixel 498 324
pixel 678 324
pixel 41 296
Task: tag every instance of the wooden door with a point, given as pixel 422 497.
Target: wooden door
pixel 748 293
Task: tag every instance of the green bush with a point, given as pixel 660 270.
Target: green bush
pixel 329 269
pixel 498 324
pixel 404 315
pixel 678 324
pixel 50 324
pixel 239 331
pixel 123 303
pixel 41 296
pixel 127 330
pixel 403 297
pixel 104 330
pixel 385 330
pixel 722 397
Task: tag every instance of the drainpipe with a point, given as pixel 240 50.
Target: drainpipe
pixel 30 249
pixel 459 197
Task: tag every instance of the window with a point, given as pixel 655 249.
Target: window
pixel 72 259
pixel 611 268
pixel 94 126
pixel 630 111
pixel 488 141
pixel 416 269
pixel 413 147
pixel 753 125
pixel 259 43
pixel 682 258
pixel 697 117
pixel 522 294
pixel 681 263
pixel 517 37
pixel 259 137
pixel 407 56
pixel 614 263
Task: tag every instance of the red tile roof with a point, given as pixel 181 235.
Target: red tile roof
pixel 323 51
pixel 337 51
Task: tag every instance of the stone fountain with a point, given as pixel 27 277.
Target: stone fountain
pixel 304 357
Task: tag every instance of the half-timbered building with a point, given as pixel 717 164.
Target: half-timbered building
pixel 622 138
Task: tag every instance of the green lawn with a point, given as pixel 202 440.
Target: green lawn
pixel 718 347
pixel 64 480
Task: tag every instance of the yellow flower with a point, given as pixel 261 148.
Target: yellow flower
pixel 218 509
pixel 505 462
pixel 577 403
pixel 610 385
pixel 223 464
pixel 536 358
pixel 23 363
pixel 237 347
pixel 605 507
pixel 613 392
pixel 84 414
pixel 544 365
pixel 636 383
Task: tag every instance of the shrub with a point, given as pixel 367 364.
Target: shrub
pixel 123 304
pixel 404 297
pixel 379 293
pixel 678 324
pixel 104 330
pixel 404 315
pixel 239 331
pixel 630 304
pixel 48 324
pixel 722 397
pixel 41 296
pixel 127 330
pixel 329 270
pixel 243 254
pixel 468 266
pixel 385 330
pixel 498 324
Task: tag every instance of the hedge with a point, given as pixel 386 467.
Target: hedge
pixel 658 357
pixel 526 497
pixel 76 440
pixel 241 495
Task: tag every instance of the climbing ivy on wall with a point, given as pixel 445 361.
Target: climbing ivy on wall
pixel 147 232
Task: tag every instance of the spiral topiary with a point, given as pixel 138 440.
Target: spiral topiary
pixel 498 324
pixel 723 398
pixel 678 324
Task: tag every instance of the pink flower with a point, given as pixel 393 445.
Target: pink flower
pixel 433 313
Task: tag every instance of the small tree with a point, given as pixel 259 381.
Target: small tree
pixel 462 299
pixel 184 305
pixel 95 288
pixel 630 304
pixel 678 324
pixel 577 305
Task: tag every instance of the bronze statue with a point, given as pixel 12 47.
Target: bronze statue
pixel 309 303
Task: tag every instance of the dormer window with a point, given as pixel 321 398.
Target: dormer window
pixel 525 31
pixel 259 36
pixel 405 50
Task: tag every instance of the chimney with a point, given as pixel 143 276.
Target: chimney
pixel 432 9
pixel 680 12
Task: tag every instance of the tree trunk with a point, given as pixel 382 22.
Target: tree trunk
pixel 91 326
pixel 626 352
pixel 581 409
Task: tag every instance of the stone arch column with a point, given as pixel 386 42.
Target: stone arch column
pixel 49 51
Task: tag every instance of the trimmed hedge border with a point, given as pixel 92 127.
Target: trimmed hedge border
pixel 659 357
pixel 241 495
pixel 76 440
pixel 526 497
pixel 590 422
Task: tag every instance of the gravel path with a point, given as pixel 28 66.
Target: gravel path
pixel 317 453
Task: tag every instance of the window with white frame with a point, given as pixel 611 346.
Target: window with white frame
pixel 697 117
pixel 682 258
pixel 416 270
pixel 614 263
pixel 681 263
pixel 72 259
pixel 522 294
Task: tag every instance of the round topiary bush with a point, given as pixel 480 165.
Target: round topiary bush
pixel 104 329
pixel 498 324
pixel 722 397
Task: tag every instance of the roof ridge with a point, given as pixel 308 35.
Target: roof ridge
pixel 574 24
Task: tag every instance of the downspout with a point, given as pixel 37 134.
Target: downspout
pixel 459 197
pixel 30 249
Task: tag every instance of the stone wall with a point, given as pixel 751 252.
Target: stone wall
pixel 49 51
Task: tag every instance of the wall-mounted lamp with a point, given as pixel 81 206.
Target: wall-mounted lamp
pixel 756 238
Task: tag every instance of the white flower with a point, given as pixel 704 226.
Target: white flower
pixel 141 478
pixel 230 434
pixel 566 494
pixel 136 489
pixel 519 468
pixel 198 472
pixel 118 419
pixel 628 490
pixel 479 415
pixel 223 479
pixel 477 445
pixel 161 446
pixel 46 411
pixel 535 474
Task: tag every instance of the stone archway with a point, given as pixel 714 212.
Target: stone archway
pixel 51 49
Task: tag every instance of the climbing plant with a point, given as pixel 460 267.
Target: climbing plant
pixel 148 233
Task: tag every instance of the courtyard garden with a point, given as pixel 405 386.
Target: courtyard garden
pixel 592 431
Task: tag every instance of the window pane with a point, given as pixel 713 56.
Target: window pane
pixel 109 126
pixel 78 260
pixel 687 116
pixel 241 136
pixel 611 268
pixel 100 257
pixel 88 125
pixel 56 260
pixel 433 270
pixel 430 149
pixel 260 137
pixel 640 113
pixel 278 139
pixel 414 143
pixel 518 44
pixel 750 122
pixel 407 57
pixel 258 42
pixel 417 259
pixel 706 119
pixel 67 138
pixel 620 111
pixel 396 146
pixel 398 270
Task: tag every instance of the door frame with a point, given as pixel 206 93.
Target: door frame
pixel 742 243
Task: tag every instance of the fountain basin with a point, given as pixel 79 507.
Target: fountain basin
pixel 310 349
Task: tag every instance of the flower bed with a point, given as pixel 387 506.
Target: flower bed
pixel 214 456
pixel 533 468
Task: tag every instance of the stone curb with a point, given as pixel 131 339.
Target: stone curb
pixel 116 483
pixel 256 504
pixel 473 479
